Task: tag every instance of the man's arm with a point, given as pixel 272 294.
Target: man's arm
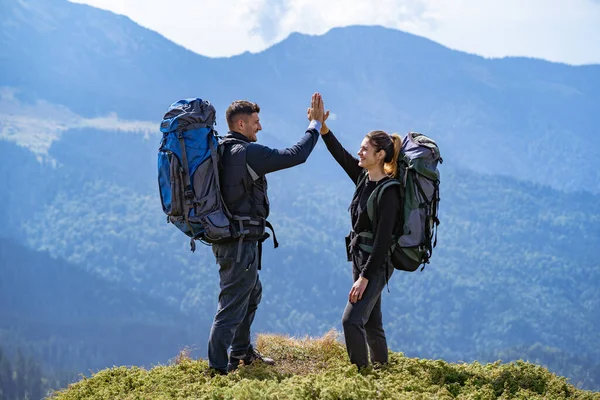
pixel 263 159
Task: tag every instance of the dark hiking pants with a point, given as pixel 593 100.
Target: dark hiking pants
pixel 240 295
pixel 363 323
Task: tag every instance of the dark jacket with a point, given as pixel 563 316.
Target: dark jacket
pixel 244 166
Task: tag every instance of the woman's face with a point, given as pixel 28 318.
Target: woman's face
pixel 367 156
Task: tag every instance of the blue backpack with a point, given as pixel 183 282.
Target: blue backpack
pixel 188 175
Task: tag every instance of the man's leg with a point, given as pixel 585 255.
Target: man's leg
pixel 237 281
pixel 241 340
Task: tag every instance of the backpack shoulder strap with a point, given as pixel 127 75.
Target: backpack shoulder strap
pixel 230 140
pixel 252 173
pixel 362 178
pixel 375 198
pixel 372 202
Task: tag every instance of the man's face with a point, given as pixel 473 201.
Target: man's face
pixel 249 126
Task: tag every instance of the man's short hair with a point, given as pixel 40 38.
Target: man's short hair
pixel 239 108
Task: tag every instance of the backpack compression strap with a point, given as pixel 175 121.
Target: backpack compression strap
pixel 188 192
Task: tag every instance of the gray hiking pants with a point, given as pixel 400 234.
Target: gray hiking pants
pixel 240 295
pixel 363 323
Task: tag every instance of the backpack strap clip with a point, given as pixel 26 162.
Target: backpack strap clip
pixel 362 240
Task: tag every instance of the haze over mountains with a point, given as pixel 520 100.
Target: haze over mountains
pixel 83 90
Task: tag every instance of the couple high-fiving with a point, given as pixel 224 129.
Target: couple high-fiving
pixel 244 165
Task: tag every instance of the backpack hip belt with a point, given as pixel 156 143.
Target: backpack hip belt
pixel 248 229
pixel 362 240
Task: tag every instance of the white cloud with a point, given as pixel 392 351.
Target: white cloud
pixel 210 27
pixel 556 30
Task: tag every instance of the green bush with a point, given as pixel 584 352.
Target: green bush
pixel 319 369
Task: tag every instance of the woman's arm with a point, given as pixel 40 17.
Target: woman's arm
pixel 341 155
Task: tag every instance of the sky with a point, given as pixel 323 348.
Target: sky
pixel 566 31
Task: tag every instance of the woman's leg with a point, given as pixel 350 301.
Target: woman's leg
pixel 375 332
pixel 376 335
pixel 356 315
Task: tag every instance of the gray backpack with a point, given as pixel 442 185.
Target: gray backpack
pixel 418 185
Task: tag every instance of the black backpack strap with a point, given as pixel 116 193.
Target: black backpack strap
pixel 420 188
pixel 375 198
pixel 253 175
pixel 260 243
pixel 362 178
pixel 372 203
pixel 214 151
pixel 365 239
pixel 434 214
pixel 275 242
pixel 242 232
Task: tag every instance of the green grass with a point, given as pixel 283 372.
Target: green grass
pixel 319 369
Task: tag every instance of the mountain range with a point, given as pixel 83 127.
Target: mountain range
pixel 82 92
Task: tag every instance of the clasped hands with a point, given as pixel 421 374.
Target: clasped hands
pixel 317 112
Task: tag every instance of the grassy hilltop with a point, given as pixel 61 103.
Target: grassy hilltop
pixel 319 369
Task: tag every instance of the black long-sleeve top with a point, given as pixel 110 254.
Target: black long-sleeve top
pixel 387 209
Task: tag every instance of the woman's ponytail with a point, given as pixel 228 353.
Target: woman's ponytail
pixel 391 168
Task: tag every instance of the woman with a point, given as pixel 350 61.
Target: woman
pixel 376 163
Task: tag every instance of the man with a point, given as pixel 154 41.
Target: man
pixel 244 165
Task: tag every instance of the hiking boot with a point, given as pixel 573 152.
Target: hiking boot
pixel 253 355
pixel 212 372
pixel 377 366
